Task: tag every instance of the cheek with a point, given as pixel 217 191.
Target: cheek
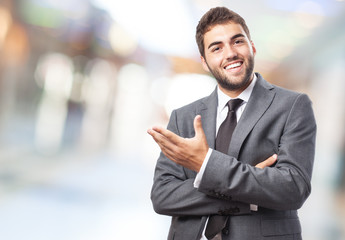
pixel 215 61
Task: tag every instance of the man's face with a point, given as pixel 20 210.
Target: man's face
pixel 229 56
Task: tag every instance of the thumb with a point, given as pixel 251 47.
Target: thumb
pixel 199 132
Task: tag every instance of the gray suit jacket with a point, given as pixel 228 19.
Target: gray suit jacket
pixel 275 120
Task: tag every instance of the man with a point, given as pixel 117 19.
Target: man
pixel 252 187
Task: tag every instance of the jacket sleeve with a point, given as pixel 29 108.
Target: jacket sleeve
pixel 173 192
pixel 283 187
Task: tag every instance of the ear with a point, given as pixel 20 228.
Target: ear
pixel 204 64
pixel 253 47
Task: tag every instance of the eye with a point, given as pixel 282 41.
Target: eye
pixel 239 41
pixel 216 49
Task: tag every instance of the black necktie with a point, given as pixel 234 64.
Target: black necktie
pixel 216 223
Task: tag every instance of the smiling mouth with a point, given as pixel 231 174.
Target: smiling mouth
pixel 233 65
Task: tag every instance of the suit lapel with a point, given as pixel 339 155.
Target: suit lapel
pixel 259 101
pixel 208 112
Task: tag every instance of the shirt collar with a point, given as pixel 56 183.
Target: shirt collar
pixel 245 95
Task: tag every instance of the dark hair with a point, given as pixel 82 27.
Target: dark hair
pixel 215 16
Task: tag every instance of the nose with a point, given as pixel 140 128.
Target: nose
pixel 230 53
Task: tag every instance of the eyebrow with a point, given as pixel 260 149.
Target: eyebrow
pixel 219 42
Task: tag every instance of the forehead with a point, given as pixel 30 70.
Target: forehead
pixel 222 32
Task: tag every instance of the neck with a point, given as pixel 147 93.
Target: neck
pixel 236 92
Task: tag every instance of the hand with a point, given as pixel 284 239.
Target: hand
pixel 268 162
pixel 188 152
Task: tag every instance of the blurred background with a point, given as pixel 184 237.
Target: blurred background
pixel 82 80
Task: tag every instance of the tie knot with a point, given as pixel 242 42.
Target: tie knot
pixel 233 104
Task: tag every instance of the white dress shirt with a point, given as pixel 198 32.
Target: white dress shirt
pixel 222 111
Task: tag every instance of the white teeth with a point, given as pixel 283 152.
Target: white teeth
pixel 233 65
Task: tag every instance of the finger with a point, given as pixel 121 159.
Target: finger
pixel 271 160
pixel 268 162
pixel 167 148
pixel 154 134
pixel 159 138
pixel 164 143
pixel 172 137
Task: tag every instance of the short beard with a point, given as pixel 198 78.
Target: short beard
pixel 227 84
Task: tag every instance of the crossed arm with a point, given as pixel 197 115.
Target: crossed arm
pixel 283 187
pixel 173 192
